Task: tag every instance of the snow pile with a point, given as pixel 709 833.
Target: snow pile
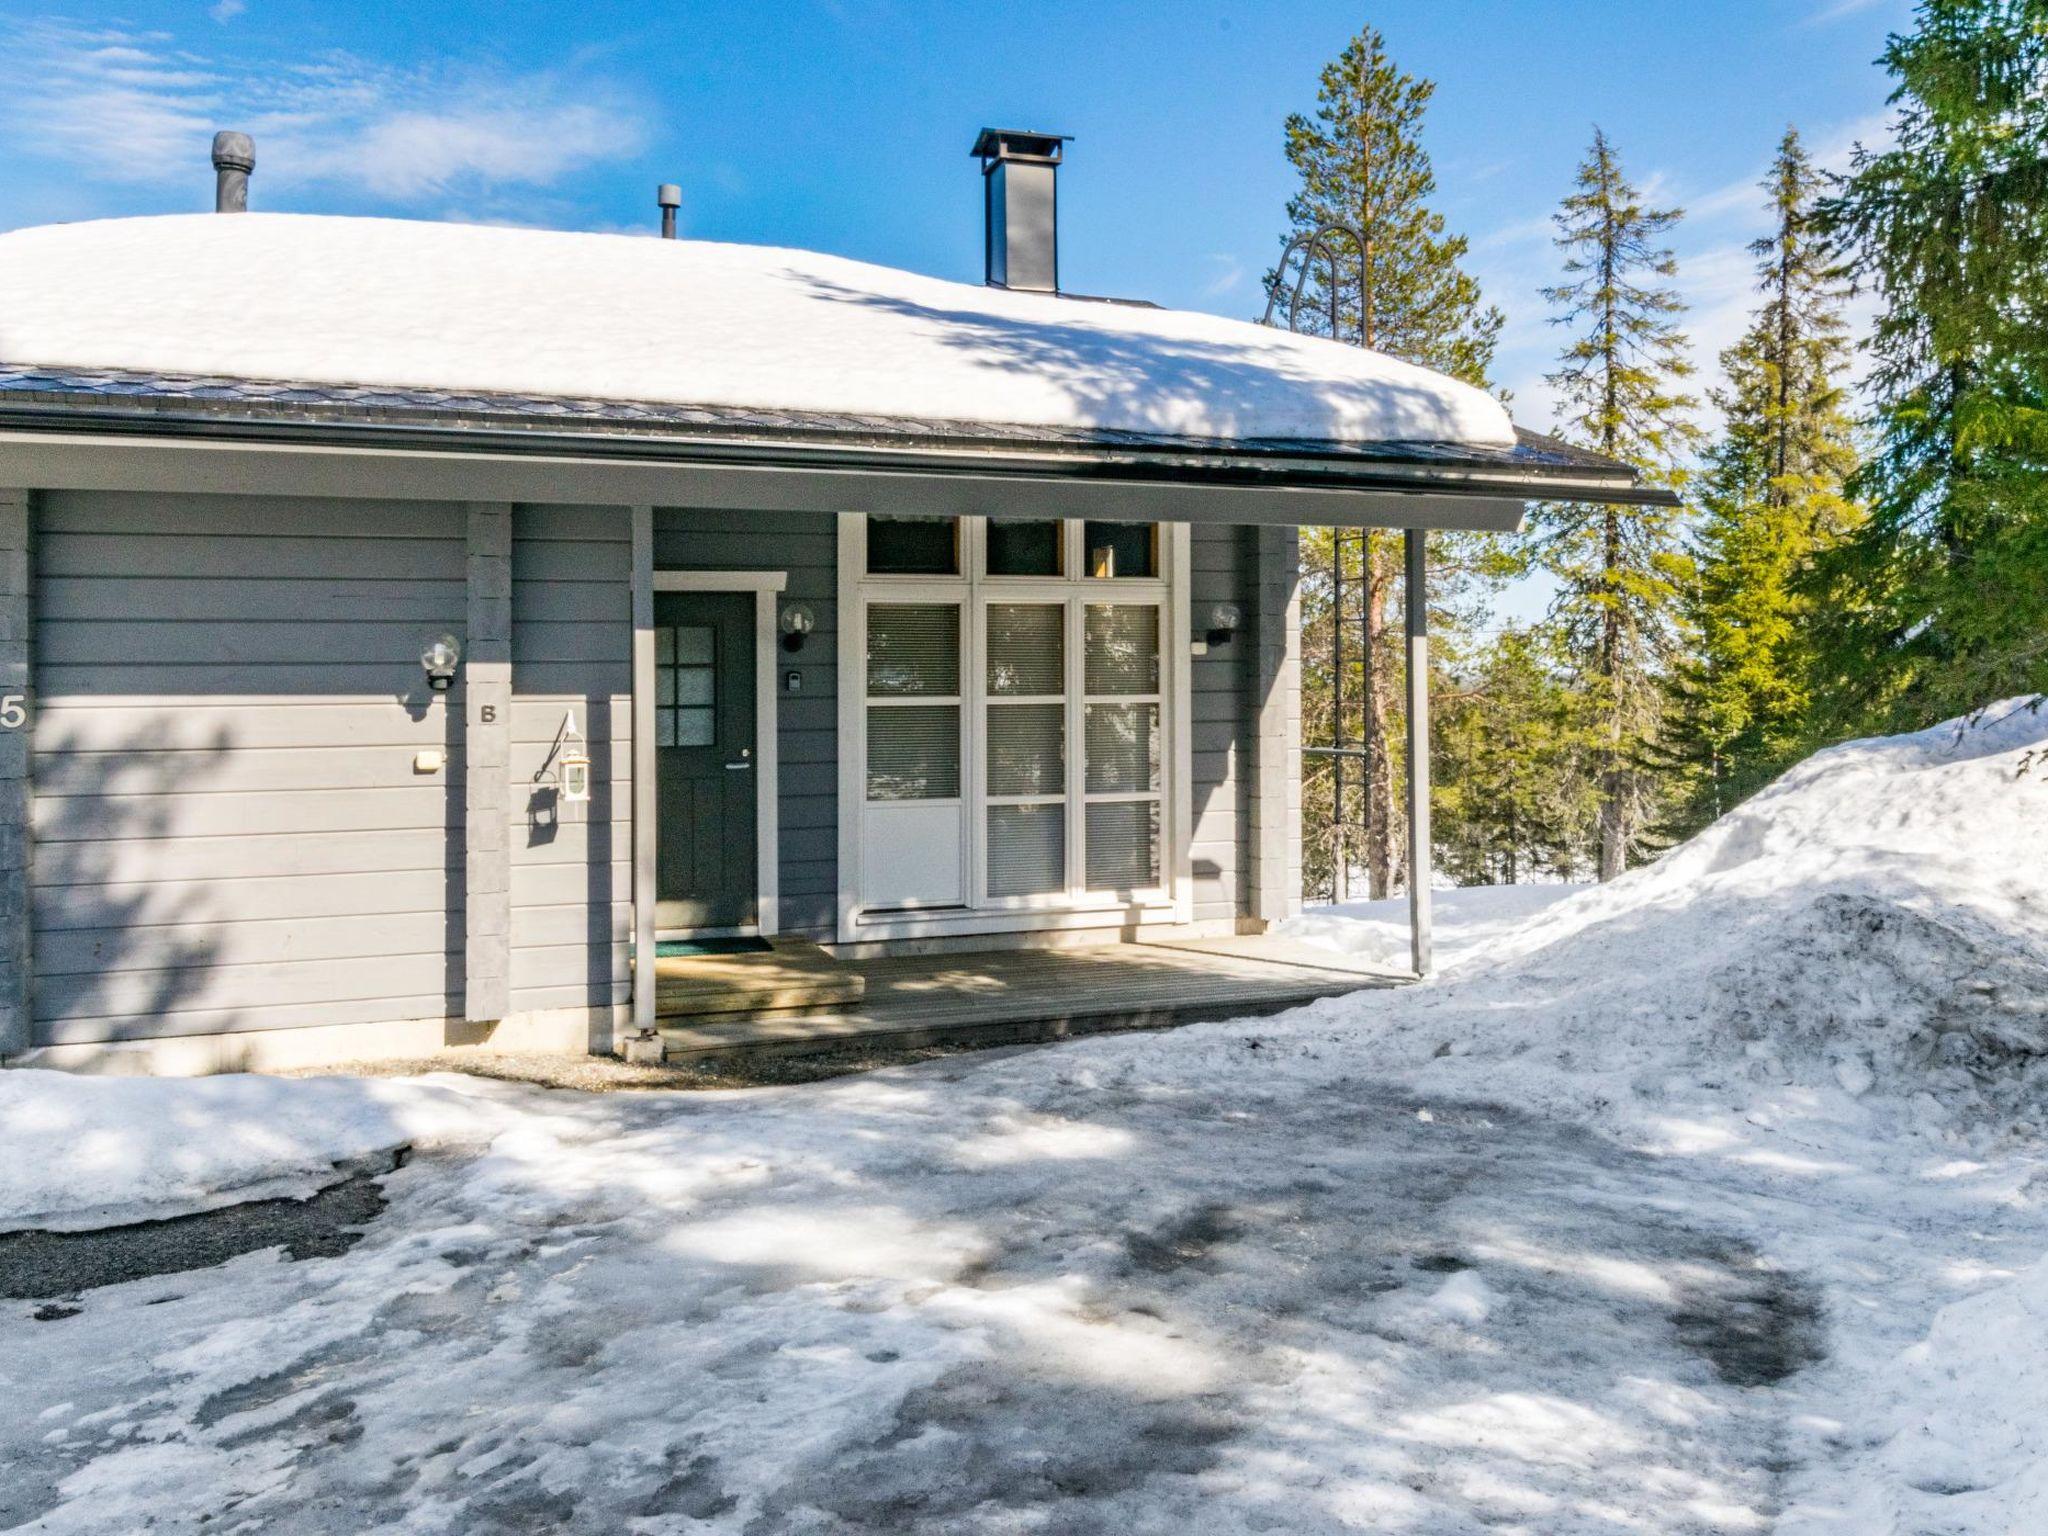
pixel 1872 927
pixel 81 1152
pixel 469 307
pixel 1467 923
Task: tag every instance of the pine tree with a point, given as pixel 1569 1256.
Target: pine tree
pixel 1939 602
pixel 1773 498
pixel 1619 569
pixel 1403 291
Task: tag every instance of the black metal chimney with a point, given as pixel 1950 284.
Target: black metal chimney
pixel 1020 186
pixel 234 157
pixel 668 197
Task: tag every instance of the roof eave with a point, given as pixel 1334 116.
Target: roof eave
pixel 1315 466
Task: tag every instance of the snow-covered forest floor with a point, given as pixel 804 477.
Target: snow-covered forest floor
pixel 1713 1200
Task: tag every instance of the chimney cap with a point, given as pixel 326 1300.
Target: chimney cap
pixel 668 195
pixel 992 145
pixel 233 151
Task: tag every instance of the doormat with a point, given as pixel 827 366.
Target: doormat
pixel 677 949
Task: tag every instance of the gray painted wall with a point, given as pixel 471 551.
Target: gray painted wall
pixel 805 544
pixel 230 833
pixel 572 865
pixel 1220 561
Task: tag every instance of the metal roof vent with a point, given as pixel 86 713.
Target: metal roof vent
pixel 234 157
pixel 1019 179
pixel 668 197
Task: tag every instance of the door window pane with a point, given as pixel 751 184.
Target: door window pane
pixel 685 685
pixel 1027 749
pixel 914 752
pixel 913 546
pixel 1023 549
pixel 1026 649
pixel 1123 846
pixel 913 650
pixel 1123 749
pixel 1027 850
pixel 1121 549
pixel 1122 648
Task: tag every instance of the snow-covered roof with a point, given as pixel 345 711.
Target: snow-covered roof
pixel 355 302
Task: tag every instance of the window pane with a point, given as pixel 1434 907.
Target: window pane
pixel 914 648
pixel 913 546
pixel 1026 648
pixel 1120 549
pixel 693 646
pixel 665 685
pixel 1027 850
pixel 1023 549
pixel 1123 748
pixel 914 752
pixel 1027 749
pixel 1123 846
pixel 664 727
pixel 693 685
pixel 1122 653
pixel 664 646
pixel 693 728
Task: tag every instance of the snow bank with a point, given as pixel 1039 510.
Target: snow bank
pixel 1467 922
pixel 80 1152
pixel 1873 927
pixel 470 307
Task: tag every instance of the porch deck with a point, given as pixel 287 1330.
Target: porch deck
pixel 1002 996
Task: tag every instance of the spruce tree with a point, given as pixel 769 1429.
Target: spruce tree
pixel 1619 569
pixel 1773 498
pixel 1403 291
pixel 1939 602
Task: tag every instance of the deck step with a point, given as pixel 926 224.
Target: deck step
pixel 791 976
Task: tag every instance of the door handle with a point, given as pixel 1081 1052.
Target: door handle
pixel 742 763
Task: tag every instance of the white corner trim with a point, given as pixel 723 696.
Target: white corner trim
pixel 721 581
pixel 851 682
pixel 646 806
pixel 1180 720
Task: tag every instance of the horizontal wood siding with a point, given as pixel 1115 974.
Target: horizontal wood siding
pixel 1221 682
pixel 571 654
pixel 804 544
pixel 231 834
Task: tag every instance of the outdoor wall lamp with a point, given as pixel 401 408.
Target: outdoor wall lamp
pixel 797 622
pixel 439 661
pixel 1225 620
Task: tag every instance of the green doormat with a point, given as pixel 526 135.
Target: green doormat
pixel 676 949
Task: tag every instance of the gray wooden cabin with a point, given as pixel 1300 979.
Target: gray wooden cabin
pixel 870 681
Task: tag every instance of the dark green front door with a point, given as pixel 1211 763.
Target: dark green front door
pixel 704 742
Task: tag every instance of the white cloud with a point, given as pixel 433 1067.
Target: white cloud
pixel 227 10
pixel 136 108
pixel 1228 274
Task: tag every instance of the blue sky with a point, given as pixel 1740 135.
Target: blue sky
pixel 844 126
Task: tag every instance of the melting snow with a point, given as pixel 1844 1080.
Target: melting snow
pixel 1638 1255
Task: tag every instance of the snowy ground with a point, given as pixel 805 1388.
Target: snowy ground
pixel 1466 923
pixel 1710 1201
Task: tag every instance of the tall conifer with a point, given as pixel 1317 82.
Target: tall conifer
pixel 1362 165
pixel 1773 498
pixel 1939 603
pixel 1619 569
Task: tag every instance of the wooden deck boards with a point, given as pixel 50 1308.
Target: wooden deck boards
pixel 1028 994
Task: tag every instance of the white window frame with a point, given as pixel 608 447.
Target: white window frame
pixel 1172 900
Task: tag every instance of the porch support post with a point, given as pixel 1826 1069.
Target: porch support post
pixel 17 720
pixel 1275 704
pixel 487 766
pixel 645 839
pixel 1420 861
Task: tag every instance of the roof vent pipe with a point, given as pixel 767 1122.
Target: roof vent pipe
pixel 1019 173
pixel 669 197
pixel 234 157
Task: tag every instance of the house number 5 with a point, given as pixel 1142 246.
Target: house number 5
pixel 13 711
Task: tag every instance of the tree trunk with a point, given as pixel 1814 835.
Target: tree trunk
pixel 1382 850
pixel 1614 828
